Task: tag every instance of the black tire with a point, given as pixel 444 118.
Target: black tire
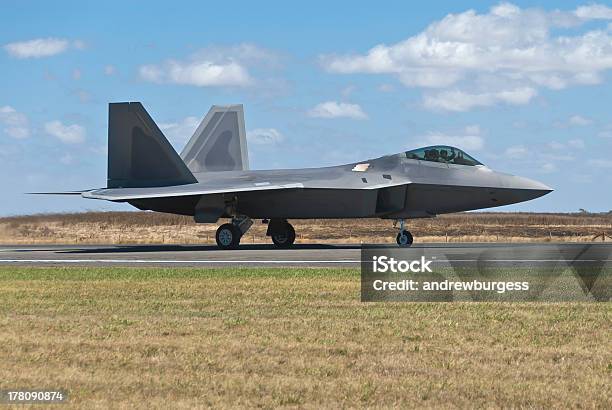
pixel 286 239
pixel 227 236
pixel 404 239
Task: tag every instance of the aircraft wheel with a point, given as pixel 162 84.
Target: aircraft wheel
pixel 404 239
pixel 285 239
pixel 228 236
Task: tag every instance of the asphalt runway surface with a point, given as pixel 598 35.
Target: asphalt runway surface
pixel 300 255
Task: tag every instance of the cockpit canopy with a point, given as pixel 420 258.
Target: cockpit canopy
pixel 443 154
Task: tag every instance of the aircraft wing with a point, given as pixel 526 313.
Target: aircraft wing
pixel 228 186
pixel 125 194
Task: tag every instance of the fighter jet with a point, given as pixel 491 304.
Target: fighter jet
pixel 211 180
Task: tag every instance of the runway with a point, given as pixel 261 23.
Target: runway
pixel 300 255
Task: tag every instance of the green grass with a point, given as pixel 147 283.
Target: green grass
pixel 138 274
pixel 184 337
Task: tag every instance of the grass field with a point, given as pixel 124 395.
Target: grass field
pixel 132 337
pixel 151 227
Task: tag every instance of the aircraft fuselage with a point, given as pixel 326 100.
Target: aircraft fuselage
pixel 387 187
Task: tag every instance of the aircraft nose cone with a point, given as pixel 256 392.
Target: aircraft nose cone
pixel 537 187
pixel 519 189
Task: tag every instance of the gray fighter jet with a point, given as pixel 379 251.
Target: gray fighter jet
pixel 211 180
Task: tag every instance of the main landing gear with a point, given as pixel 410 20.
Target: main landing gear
pixel 228 235
pixel 282 233
pixel 404 238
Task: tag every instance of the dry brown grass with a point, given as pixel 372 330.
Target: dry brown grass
pixel 187 338
pixel 149 227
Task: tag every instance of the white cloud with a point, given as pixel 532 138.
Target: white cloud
pixel 69 134
pixel 469 140
pixel 16 124
pixel 101 150
pixel 245 53
pixel 41 47
pixel 265 136
pixel 517 151
pixel 211 67
pixel 547 158
pixel 503 56
pixel 179 132
pixel 466 142
pixel 456 100
pixel 557 157
pixel 606 133
pixel 594 11
pixel 334 109
pixel 151 73
pixel 571 145
pixel 200 73
pixel 548 167
pixel 579 120
pixel 600 163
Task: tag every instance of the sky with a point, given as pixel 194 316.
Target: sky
pixel 524 87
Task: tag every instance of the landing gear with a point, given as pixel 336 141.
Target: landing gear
pixel 286 239
pixel 282 233
pixel 228 235
pixel 404 238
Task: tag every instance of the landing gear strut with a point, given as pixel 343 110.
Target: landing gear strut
pixel 228 235
pixel 404 238
pixel 282 233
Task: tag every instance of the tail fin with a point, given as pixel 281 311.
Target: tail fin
pixel 219 142
pixel 138 153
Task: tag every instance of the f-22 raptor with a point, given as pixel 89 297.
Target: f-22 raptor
pixel 211 179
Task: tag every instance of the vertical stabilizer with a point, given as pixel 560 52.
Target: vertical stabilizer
pixel 139 155
pixel 219 143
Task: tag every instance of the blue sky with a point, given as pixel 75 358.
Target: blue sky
pixel 524 88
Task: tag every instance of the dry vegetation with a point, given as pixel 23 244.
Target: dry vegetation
pixel 149 227
pixel 184 338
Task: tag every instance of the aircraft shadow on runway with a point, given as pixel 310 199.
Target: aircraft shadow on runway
pixel 118 249
pixel 197 248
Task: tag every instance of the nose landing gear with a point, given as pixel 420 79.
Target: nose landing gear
pixel 404 238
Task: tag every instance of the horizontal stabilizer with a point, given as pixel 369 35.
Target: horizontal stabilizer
pixel 58 193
